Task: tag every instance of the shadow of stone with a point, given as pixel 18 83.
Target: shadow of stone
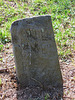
pixel 39 93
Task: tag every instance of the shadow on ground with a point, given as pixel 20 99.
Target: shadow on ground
pixel 38 93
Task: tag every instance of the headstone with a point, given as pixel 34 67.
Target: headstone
pixel 35 52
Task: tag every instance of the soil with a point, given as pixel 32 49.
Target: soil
pixel 10 89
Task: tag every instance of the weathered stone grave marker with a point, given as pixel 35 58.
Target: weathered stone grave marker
pixel 35 52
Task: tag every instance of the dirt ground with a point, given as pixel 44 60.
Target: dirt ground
pixel 11 90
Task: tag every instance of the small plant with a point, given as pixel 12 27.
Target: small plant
pixel 14 67
pixel 0 82
pixel 1 59
pixel 1 47
pixel 47 96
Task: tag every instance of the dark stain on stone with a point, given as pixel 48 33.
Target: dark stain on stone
pixel 18 45
pixel 46 38
pixel 26 46
pixel 35 48
pixel 36 45
pixel 14 39
pixel 33 37
pixel 15 23
pixel 28 21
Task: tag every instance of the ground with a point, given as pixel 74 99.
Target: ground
pixel 11 90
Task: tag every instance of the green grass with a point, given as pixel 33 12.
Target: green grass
pixel 61 11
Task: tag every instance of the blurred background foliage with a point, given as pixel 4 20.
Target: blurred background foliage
pixel 63 19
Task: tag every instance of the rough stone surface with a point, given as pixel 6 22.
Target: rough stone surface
pixel 35 52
